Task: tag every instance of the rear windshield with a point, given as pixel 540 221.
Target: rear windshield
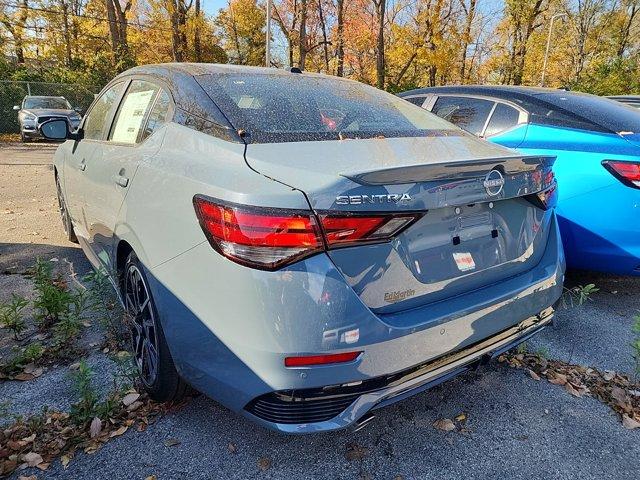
pixel 289 108
pixel 46 102
pixel 605 113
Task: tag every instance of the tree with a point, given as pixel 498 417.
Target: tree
pixel 16 23
pixel 381 9
pixel 241 28
pixel 117 19
pixel 524 16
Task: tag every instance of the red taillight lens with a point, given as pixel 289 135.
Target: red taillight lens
pixel 627 172
pixel 344 229
pixel 258 237
pixel 269 238
pixel 311 360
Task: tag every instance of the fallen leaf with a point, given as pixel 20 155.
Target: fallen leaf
pixel 264 464
pixel 461 417
pixel 151 477
pixel 619 395
pixel 43 466
pixel 171 442
pixel 32 459
pixel 95 428
pixel 608 375
pixel 569 388
pixel 444 424
pixel 118 432
pixel 74 366
pixel 630 423
pixel 65 461
pixel 24 377
pixel 30 477
pixel 29 439
pixel 134 406
pixel 533 374
pixel 129 398
pixel 558 379
pixel 232 448
pixel 355 452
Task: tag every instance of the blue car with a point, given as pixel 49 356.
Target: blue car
pixel 597 144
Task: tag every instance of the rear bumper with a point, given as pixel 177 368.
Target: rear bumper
pixel 229 329
pixel 289 411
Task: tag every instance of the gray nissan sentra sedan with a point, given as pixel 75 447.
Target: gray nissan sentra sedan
pixel 303 248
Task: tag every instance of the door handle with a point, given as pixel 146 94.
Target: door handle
pixel 82 165
pixel 122 181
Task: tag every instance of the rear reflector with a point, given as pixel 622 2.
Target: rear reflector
pixel 270 238
pixel 312 360
pixel 627 172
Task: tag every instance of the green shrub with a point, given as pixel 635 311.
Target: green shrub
pixel 11 315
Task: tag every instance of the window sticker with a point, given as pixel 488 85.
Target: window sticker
pixel 131 115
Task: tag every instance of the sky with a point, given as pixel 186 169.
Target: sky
pixel 212 6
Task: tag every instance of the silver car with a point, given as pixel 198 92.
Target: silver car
pixel 35 110
pixel 302 248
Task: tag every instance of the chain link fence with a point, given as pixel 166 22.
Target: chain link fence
pixel 13 92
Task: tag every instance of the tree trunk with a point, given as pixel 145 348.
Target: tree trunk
pixel 117 17
pixel 340 40
pixel 466 38
pixel 66 32
pixel 325 45
pixel 302 40
pixel 381 7
pixel 178 16
pixel 197 47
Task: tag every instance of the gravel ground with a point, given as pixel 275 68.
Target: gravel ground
pixel 517 427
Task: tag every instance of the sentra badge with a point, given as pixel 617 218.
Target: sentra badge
pixel 371 199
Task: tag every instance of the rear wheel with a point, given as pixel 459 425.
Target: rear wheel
pixel 157 372
pixel 23 138
pixel 64 214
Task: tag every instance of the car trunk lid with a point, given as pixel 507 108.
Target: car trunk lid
pixel 476 225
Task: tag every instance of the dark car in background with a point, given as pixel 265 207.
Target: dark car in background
pixel 597 144
pixel 36 110
pixel 631 100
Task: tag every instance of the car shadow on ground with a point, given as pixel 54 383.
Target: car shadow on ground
pixel 19 257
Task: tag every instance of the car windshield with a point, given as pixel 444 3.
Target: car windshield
pixel 46 102
pixel 281 107
pixel 609 114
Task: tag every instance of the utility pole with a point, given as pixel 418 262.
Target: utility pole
pixel 546 52
pixel 268 42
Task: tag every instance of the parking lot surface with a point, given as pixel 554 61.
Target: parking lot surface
pixel 515 427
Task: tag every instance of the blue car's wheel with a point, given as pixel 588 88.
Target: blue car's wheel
pixel 157 372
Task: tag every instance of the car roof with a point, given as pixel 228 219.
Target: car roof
pixel 44 96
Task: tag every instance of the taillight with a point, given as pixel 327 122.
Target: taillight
pixel 627 172
pixel 341 230
pixel 263 238
pixel 270 238
pixel 311 360
pixel 547 198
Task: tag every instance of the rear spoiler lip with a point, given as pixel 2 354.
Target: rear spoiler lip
pixel 455 170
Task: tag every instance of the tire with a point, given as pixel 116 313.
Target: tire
pixel 23 138
pixel 157 373
pixel 64 214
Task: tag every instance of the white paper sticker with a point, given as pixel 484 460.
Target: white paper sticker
pixel 464 261
pixel 131 115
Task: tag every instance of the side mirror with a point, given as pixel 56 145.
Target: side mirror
pixel 59 129
pixel 16 107
pixel 78 109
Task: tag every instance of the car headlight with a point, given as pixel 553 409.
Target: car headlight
pixel 75 118
pixel 29 116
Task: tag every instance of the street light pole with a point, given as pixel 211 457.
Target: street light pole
pixel 268 42
pixel 546 52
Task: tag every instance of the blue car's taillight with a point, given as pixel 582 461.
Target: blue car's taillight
pixel 627 172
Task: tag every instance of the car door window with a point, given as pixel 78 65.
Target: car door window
pixel 503 118
pixel 133 111
pixel 95 122
pixel 468 113
pixel 159 114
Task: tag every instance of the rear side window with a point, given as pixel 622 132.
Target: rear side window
pixel 159 114
pixel 95 123
pixel 503 118
pixel 467 113
pixel 588 112
pixel 132 112
pixel 285 107
pixel 415 100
